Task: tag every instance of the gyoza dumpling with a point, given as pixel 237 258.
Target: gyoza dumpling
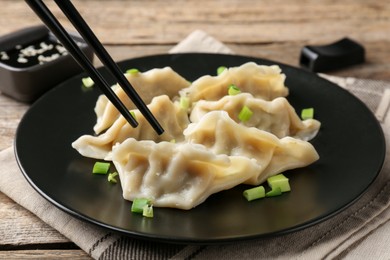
pixel 177 175
pixel 266 82
pixel 170 115
pixel 218 132
pixel 148 84
pixel 277 116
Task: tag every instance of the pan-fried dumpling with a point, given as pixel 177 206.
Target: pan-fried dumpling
pixel 177 175
pixel 148 84
pixel 218 132
pixel 266 82
pixel 170 115
pixel 277 116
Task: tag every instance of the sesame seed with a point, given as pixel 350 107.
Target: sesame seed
pixel 4 55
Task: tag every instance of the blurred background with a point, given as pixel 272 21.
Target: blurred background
pixel 274 30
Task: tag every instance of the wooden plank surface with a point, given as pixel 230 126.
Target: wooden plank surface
pixel 275 30
pixel 255 28
pixel 232 21
pixel 30 228
pixel 73 254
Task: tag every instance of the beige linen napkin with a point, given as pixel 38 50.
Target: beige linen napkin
pixel 360 232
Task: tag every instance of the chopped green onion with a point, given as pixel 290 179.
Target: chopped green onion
pixel 132 71
pixel 233 90
pixel 139 204
pixel 220 70
pixel 280 181
pixel 147 211
pixel 245 114
pixel 307 113
pixel 101 168
pixel 274 192
pixel 184 103
pixel 111 177
pixel 254 193
pixel 133 114
pixel 278 184
pixel 87 82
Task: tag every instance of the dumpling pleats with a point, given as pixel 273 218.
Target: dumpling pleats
pixel 222 135
pixel 176 175
pixel 277 116
pixel 266 82
pixel 148 85
pixel 171 116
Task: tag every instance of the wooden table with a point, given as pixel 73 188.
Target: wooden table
pixel 275 30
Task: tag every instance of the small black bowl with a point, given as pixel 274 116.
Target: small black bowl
pixel 32 61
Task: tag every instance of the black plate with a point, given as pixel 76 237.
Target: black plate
pixel 350 143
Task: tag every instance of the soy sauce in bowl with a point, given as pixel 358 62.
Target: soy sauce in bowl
pixel 32 61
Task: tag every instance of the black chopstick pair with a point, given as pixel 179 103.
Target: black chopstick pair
pixel 81 26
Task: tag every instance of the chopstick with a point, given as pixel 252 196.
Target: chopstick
pixel 81 26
